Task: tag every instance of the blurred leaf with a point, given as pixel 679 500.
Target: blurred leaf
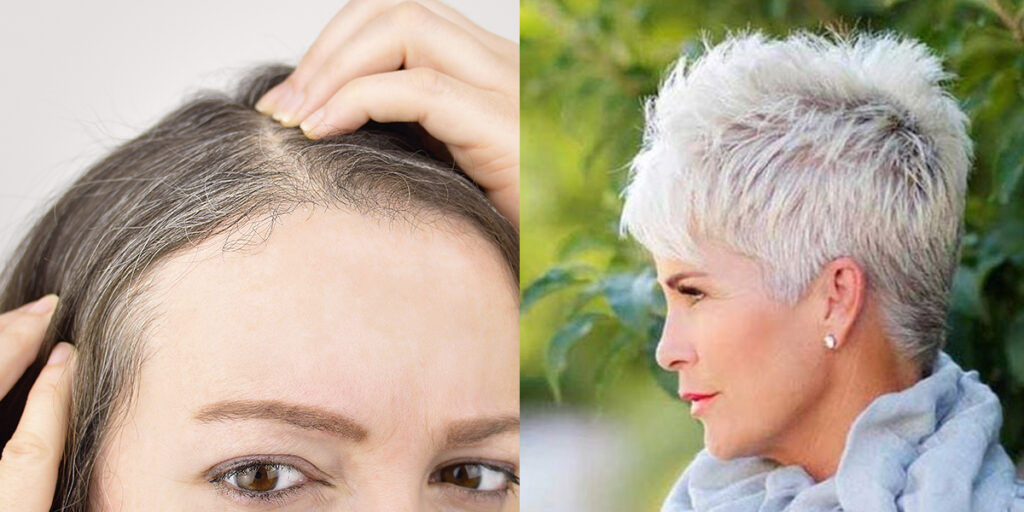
pixel 618 354
pixel 959 340
pixel 1007 238
pixel 992 253
pixel 860 7
pixel 555 279
pixel 980 96
pixel 1010 168
pixel 631 297
pixel 981 4
pixel 582 241
pixel 779 8
pixel 1015 348
pixel 562 342
pixel 967 293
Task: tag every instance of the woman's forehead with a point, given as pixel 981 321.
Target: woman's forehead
pixel 339 309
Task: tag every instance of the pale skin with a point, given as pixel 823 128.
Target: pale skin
pixel 368 375
pixel 782 394
pixel 402 348
pixel 388 61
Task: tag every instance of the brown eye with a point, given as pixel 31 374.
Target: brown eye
pixel 463 475
pixel 262 477
pixel 478 477
pixel 257 478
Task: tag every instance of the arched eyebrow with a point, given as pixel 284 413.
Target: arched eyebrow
pixel 302 416
pixel 457 434
pixel 472 431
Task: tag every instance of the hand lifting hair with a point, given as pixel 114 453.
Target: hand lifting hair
pixel 802 199
pixel 262 319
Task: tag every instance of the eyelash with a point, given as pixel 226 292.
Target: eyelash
pixel 275 497
pixel 694 293
pixel 279 496
pixel 509 473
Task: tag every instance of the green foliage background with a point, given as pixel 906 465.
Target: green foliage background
pixel 591 312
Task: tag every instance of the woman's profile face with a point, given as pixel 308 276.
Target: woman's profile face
pixel 725 335
pixel 346 363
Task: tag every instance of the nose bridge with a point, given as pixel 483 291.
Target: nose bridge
pixel 391 496
pixel 392 475
pixel 675 346
pixel 392 502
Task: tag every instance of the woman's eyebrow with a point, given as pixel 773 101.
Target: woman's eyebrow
pixel 302 416
pixel 472 431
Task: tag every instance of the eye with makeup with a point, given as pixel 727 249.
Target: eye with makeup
pixel 477 479
pixel 262 478
pixel 695 294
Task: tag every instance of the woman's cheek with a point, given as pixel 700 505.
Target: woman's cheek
pixel 737 344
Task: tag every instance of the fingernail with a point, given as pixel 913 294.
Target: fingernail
pixel 261 106
pixel 43 305
pixel 60 353
pixel 272 97
pixel 290 108
pixel 284 90
pixel 310 125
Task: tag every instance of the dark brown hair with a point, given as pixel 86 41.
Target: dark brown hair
pixel 212 167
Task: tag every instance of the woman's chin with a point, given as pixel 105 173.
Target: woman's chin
pixel 723 449
pixel 718 449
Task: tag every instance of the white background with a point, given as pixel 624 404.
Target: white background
pixel 81 77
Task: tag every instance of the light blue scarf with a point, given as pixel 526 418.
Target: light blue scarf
pixel 931 448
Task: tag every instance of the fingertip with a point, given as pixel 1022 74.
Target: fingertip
pixel 44 304
pixel 312 125
pixel 291 108
pixel 60 353
pixel 267 103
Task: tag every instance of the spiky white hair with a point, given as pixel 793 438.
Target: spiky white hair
pixel 801 150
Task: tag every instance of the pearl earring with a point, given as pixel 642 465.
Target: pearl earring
pixel 830 341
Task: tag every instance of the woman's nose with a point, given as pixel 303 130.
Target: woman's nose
pixel 394 501
pixel 674 347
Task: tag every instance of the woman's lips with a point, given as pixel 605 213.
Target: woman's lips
pixel 698 401
pixel 690 397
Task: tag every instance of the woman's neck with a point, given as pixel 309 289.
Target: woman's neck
pixel 862 370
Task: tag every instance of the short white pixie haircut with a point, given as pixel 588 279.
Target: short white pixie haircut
pixel 795 152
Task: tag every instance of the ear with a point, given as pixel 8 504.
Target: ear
pixel 844 287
